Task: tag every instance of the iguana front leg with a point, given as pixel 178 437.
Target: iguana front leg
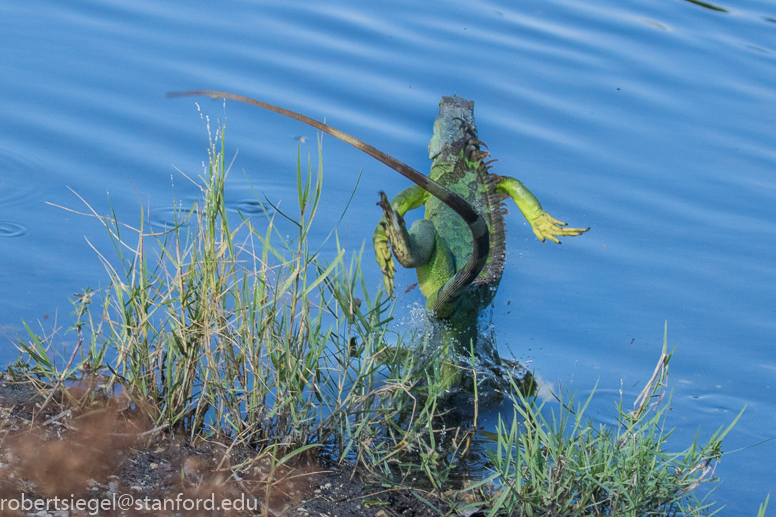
pixel 543 224
pixel 392 222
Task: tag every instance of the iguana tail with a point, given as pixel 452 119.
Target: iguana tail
pixel 476 223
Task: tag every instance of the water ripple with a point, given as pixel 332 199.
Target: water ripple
pixel 11 229
pixel 15 190
pixel 251 207
pixel 167 218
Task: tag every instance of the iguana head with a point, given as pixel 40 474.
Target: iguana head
pixel 455 120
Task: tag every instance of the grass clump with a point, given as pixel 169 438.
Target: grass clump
pixel 241 334
pixel 566 465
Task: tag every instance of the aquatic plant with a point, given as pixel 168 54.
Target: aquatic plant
pixel 567 465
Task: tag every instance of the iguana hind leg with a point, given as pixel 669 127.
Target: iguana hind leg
pixel 411 248
pixel 408 199
pixel 418 248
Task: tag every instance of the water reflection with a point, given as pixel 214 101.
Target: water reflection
pixel 708 6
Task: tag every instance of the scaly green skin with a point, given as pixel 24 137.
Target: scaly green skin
pixel 437 244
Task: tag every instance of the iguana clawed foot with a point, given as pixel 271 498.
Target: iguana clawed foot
pixel 383 248
pixel 547 227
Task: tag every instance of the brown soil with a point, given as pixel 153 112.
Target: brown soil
pixel 106 455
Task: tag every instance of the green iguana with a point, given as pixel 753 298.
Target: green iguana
pixel 458 249
pixel 437 245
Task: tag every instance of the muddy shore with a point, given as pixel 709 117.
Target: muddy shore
pixel 109 462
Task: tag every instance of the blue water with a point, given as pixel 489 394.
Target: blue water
pixel 652 122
